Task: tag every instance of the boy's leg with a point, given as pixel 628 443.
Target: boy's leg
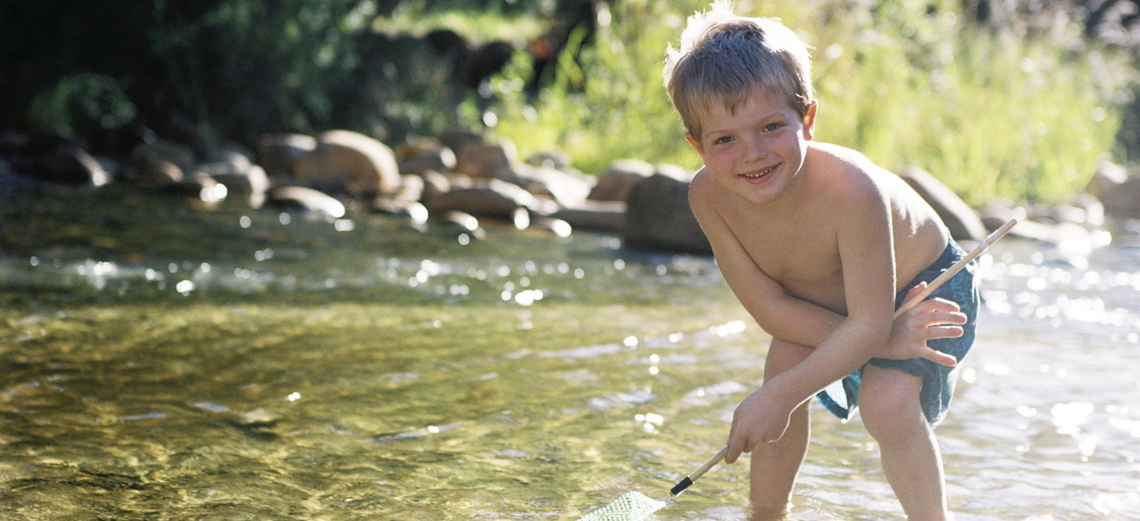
pixel 775 465
pixel 891 411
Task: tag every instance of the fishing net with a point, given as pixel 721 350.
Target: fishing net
pixel 633 506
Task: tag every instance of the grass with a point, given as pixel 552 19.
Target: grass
pixel 906 82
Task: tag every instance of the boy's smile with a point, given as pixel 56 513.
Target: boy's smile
pixel 756 149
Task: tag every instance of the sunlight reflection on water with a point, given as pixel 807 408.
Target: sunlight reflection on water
pixel 373 371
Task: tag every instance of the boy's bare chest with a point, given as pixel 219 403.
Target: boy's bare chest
pixel 802 254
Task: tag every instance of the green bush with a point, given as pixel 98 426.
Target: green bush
pixel 907 82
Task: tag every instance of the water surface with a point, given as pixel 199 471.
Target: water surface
pixel 167 360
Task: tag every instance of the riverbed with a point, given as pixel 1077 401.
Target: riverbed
pixel 162 358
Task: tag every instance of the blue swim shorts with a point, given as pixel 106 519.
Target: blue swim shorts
pixel 938 381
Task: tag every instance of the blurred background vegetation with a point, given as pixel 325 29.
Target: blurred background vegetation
pixel 1018 99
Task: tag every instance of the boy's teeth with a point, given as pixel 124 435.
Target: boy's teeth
pixel 757 176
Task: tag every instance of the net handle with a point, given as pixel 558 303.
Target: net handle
pixel 700 471
pixel 953 270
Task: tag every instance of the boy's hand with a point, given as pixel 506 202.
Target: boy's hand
pixel 930 319
pixel 758 419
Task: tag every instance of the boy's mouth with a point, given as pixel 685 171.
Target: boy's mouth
pixel 759 174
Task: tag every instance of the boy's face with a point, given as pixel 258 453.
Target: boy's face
pixel 756 150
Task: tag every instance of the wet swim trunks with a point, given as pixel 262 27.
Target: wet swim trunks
pixel 937 380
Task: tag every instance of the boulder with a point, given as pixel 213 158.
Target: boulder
pixel 567 186
pixel 616 182
pixel 350 162
pixel 1118 191
pixel 304 199
pixel 486 160
pixel 161 150
pixel 278 153
pixel 243 180
pixel 961 220
pixel 58 159
pixel 457 138
pixel 603 216
pixel 493 198
pixel 417 156
pixel 658 216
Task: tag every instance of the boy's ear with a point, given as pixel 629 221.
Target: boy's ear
pixel 695 144
pixel 809 120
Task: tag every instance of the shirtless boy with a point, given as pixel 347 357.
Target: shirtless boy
pixel 820 246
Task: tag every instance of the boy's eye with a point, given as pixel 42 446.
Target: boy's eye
pixel 722 140
pixel 771 126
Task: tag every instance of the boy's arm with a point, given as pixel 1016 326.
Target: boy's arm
pixel 799 321
pixel 867 255
pixel 779 314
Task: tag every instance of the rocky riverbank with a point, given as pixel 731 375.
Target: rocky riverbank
pixel 463 177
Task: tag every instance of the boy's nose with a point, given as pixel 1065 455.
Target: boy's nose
pixel 756 150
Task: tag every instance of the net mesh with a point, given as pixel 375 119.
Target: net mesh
pixel 633 506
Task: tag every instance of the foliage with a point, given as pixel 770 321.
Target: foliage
pixel 907 82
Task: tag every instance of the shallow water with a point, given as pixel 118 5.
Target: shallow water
pixel 165 360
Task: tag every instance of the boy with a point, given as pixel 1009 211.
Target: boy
pixel 820 246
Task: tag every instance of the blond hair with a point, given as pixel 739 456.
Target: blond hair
pixel 726 58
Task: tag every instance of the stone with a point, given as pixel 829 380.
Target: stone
pixel 492 198
pixel 658 217
pixel 603 216
pixel 420 155
pixel 349 162
pixel 616 182
pixel 486 160
pixel 278 153
pixel 58 159
pixel 305 199
pixel 567 186
pixel 961 220
pixel 1118 191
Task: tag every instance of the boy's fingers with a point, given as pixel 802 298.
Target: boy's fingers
pixel 947 331
pixel 940 358
pixel 937 304
pixel 734 451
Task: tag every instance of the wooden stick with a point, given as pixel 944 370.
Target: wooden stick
pixel 684 483
pixel 953 270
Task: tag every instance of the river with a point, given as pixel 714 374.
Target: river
pixel 164 359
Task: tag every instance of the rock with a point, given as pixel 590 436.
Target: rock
pixel 960 219
pixel 421 155
pixel 305 199
pixel 556 226
pixel 156 173
pixel 604 216
pixel 58 159
pixel 250 185
pixel 1117 191
pixel 466 224
pixel 197 185
pixel 615 183
pixel 434 183
pixel 486 160
pixel 1107 176
pixel 278 153
pixel 350 162
pixel 181 155
pixel 457 138
pixel 568 187
pixel 243 180
pixel 658 216
pixel 549 159
pixel 493 198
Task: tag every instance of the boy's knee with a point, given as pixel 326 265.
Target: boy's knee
pixel 889 404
